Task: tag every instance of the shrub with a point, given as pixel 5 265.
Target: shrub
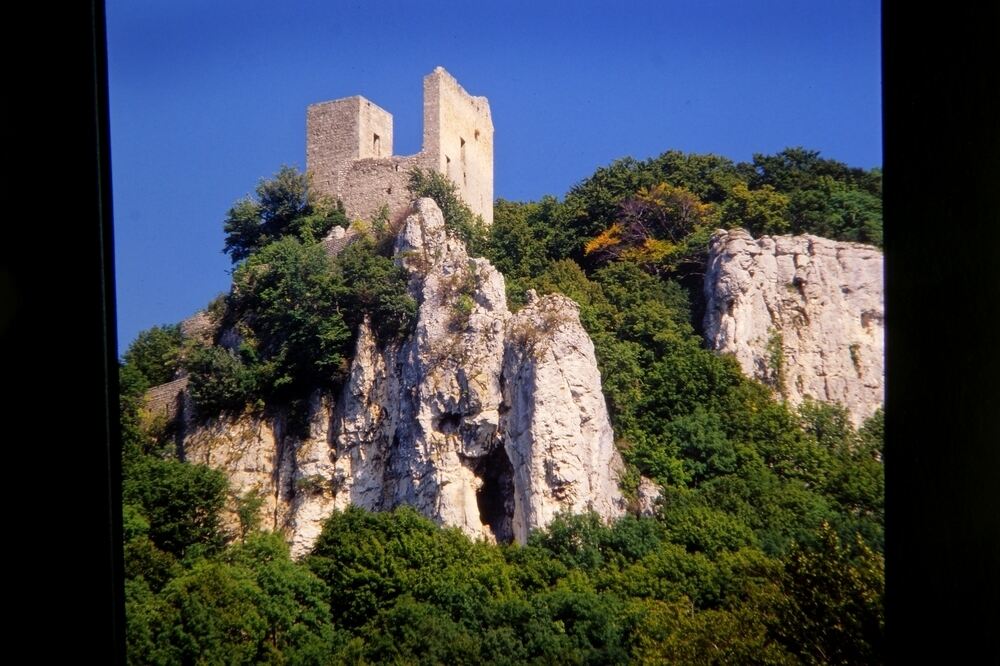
pixel 219 380
pixel 281 206
pixel 292 299
pixel 458 218
pixel 156 353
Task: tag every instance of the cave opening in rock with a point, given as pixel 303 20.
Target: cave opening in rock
pixel 448 423
pixel 496 496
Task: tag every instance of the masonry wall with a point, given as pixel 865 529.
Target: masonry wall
pixel 339 132
pixel 458 139
pixel 349 150
pixel 165 399
pixel 368 184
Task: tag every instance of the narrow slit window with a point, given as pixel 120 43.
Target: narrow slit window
pixel 377 145
pixel 462 157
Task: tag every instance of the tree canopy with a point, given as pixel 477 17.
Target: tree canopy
pixel 764 547
pixel 282 205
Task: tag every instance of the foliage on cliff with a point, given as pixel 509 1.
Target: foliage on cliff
pixel 293 312
pixel 660 211
pixel 458 217
pixel 765 545
pixel 280 206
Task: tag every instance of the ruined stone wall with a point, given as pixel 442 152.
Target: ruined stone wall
pixel 349 150
pixel 368 184
pixel 165 399
pixel 201 327
pixel 340 132
pixel 458 139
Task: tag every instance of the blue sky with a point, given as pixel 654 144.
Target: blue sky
pixel 208 98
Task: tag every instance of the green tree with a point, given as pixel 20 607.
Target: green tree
pixel 458 218
pixel 181 503
pixel 710 177
pixel 142 558
pixel 155 353
pixel 702 529
pixel 378 288
pixel 210 614
pixel 411 631
pixel 248 506
pixel 829 424
pixel 220 380
pixel 294 602
pixel 517 242
pixel 132 384
pixel 702 442
pixel 670 633
pixel 364 558
pixel 796 168
pixel 855 481
pixel 833 611
pixel 144 626
pixel 763 211
pixel 291 299
pixel 856 215
pixel 281 206
pixel 835 210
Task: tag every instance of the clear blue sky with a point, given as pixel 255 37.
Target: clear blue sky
pixel 208 98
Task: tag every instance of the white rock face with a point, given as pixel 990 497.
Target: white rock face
pixel 448 377
pixel 556 430
pixel 481 420
pixel 648 494
pixel 292 474
pixel 249 450
pixel 816 300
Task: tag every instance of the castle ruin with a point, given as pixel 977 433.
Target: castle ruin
pixel 349 150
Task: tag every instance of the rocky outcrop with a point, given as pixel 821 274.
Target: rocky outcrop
pixel 248 449
pixel 483 420
pixel 803 314
pixel 418 421
pixel 648 495
pixel 556 431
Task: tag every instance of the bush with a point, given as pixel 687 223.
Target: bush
pixel 458 218
pixel 292 299
pixel 281 206
pixel 156 353
pixel 461 311
pixel 219 381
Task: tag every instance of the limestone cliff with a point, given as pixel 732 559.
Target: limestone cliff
pixel 556 431
pixel 481 419
pixel 801 313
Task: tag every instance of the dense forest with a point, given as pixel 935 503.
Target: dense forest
pixel 767 542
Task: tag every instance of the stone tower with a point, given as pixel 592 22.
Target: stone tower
pixel 349 149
